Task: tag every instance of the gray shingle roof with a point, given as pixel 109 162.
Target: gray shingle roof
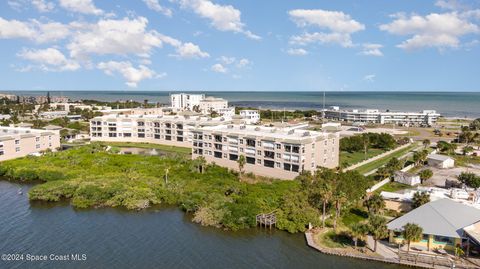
pixel 438 157
pixel 443 217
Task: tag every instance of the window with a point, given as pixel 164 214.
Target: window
pixel 180 138
pixel 127 134
pixel 218 146
pixel 287 166
pixel 279 146
pixel 157 136
pixel 259 161
pixel 141 135
pixel 269 154
pixel 250 142
pixel 277 164
pixel 217 154
pixel 1 152
pixel 259 152
pixel 233 157
pixel 288 148
pixel 141 123
pixel 37 139
pixel 218 138
pixel 17 142
pixel 296 149
pixel 250 160
pixel 17 149
pixel 295 168
pixel 240 141
pixel 268 163
pixel 168 137
pixel 37 146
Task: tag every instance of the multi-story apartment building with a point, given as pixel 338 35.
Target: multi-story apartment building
pixel 210 104
pixel 250 116
pixel 185 101
pixel 425 117
pixel 166 129
pixel 18 142
pixel 271 152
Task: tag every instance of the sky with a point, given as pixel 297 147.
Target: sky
pixel 248 45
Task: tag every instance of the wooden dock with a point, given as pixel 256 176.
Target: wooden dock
pixel 266 220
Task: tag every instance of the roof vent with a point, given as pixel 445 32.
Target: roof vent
pixel 230 126
pixel 306 133
pixel 243 127
pixel 257 128
pixel 291 132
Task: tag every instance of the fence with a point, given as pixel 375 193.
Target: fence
pixel 377 157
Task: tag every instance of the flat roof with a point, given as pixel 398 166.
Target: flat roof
pixel 286 133
pixel 443 217
pixel 438 157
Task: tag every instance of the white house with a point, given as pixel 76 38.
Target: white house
pixel 440 161
pixel 406 178
pixel 185 101
pixel 250 116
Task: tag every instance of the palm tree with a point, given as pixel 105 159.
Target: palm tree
pixel 339 199
pixel 425 174
pixel 326 193
pixel 378 228
pixel 201 162
pixel 420 198
pixel 358 231
pixel 241 163
pixel 426 143
pixel 374 204
pixel 412 232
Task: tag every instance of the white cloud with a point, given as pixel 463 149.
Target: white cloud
pixel 297 52
pixel 243 63
pixel 335 38
pixel 155 5
pixel 339 25
pixel 49 59
pixel 190 50
pixel 219 68
pixel 33 30
pixel 43 6
pixel 450 4
pixel 370 49
pixel 222 17
pixel 81 6
pixel 131 74
pixel 227 60
pixel 369 78
pixel 433 30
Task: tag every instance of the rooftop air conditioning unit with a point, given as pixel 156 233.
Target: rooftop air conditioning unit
pixel 291 132
pixel 257 128
pixel 243 127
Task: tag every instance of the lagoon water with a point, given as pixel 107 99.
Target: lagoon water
pixel 452 104
pixel 155 238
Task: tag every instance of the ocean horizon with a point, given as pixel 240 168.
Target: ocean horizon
pixel 450 104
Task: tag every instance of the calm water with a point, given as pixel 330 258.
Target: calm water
pixel 157 238
pixel 458 104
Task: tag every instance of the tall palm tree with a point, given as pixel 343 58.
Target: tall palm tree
pixel 378 229
pixel 326 193
pixel 241 163
pixel 412 232
pixel 339 199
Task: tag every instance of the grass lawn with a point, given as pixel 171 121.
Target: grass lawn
pixel 351 158
pixel 331 239
pixel 354 215
pixel 382 161
pixel 173 149
pixel 393 187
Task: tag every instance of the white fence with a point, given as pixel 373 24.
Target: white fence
pixel 378 185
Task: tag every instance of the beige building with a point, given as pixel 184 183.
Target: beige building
pixel 210 104
pixel 166 130
pixel 269 151
pixel 18 142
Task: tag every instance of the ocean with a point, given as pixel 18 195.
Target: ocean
pixel 450 104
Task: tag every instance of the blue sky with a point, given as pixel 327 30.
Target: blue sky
pixel 246 45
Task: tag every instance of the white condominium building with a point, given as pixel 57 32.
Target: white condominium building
pixel 250 116
pixel 18 142
pixel 185 101
pixel 270 152
pixel 426 117
pixel 210 104
pixel 166 130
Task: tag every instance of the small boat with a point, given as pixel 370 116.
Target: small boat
pixel 20 192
